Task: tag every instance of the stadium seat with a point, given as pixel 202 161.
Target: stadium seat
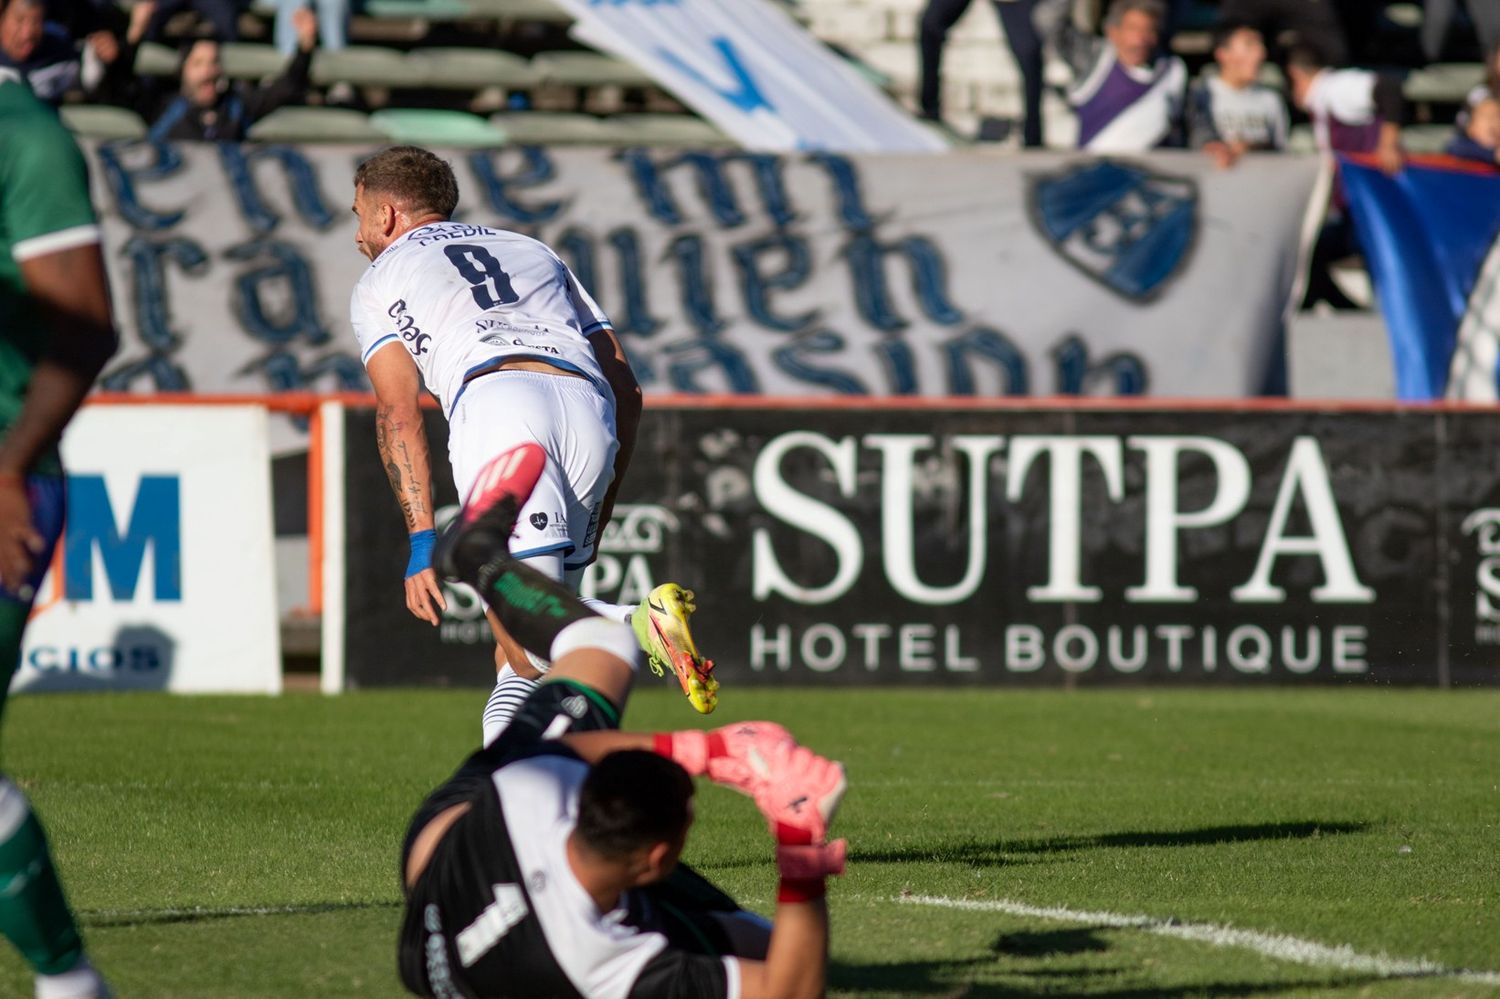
pixel 1302 140
pixel 1426 138
pixel 246 61
pixel 473 69
pixel 587 69
pixel 429 10
pixel 155 59
pixel 541 11
pixel 436 128
pixel 100 121
pixel 556 128
pixel 653 129
pixel 316 125
pixel 367 65
pixel 1443 82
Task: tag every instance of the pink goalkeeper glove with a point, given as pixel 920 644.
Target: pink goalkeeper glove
pixel 726 755
pixel 796 790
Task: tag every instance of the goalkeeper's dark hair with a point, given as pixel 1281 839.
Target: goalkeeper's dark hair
pixel 420 179
pixel 632 800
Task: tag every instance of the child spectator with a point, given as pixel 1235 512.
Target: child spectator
pixel 1478 138
pixel 1352 110
pixel 1231 113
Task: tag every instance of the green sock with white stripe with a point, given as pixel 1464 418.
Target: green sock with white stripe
pixel 34 913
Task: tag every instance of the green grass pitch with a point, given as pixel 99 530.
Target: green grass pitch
pixel 247 846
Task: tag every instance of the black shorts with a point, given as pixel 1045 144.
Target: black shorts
pixel 554 709
pixel 701 923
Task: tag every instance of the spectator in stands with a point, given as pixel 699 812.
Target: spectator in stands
pixel 1231 113
pixel 1128 97
pixel 42 52
pixel 208 107
pixel 1299 22
pixel 1352 110
pixel 1478 137
pixel 1017 21
pixel 108 75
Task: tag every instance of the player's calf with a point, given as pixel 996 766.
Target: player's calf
pixel 537 611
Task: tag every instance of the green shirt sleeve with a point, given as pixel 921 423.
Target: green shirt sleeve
pixel 44 191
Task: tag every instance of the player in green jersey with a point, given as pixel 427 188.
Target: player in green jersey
pixel 56 333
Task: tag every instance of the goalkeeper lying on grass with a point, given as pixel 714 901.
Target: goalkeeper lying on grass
pixel 548 864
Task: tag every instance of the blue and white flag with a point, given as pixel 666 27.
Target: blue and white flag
pixel 750 69
pixel 1431 237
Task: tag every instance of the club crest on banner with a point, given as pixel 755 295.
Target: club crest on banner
pixel 1126 227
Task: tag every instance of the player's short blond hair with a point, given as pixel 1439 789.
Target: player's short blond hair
pixel 423 182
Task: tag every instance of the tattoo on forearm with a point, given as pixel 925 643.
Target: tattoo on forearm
pixel 401 466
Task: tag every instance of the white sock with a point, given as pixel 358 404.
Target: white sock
pixel 600 633
pixel 505 700
pixel 615 612
pixel 79 982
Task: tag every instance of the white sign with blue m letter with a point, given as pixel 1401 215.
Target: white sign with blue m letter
pixel 163 579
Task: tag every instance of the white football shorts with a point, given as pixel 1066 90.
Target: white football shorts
pixel 574 422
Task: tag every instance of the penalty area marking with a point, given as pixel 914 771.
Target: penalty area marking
pixel 1278 946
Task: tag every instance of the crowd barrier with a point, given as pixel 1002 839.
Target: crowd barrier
pixel 902 542
pixel 983 542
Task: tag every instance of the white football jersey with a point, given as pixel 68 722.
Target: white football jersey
pixel 459 297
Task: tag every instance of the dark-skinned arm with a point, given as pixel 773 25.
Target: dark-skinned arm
pixel 71 292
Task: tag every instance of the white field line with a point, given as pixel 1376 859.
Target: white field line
pixel 1278 946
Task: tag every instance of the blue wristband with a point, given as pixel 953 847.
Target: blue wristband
pixel 421 552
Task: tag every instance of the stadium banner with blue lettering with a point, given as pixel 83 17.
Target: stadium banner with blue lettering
pixel 1431 237
pixel 805 275
pixel 886 545
pixel 164 578
pixel 751 69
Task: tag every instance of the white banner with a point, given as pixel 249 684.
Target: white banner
pixel 164 577
pixel 953 275
pixel 753 71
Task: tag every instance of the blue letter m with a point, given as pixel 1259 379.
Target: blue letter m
pixel 154 520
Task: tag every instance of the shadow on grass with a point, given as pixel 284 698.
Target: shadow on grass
pixel 955 978
pixel 1051 943
pixel 158 917
pixel 1012 851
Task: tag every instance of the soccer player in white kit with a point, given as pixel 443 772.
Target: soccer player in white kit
pixel 498 328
